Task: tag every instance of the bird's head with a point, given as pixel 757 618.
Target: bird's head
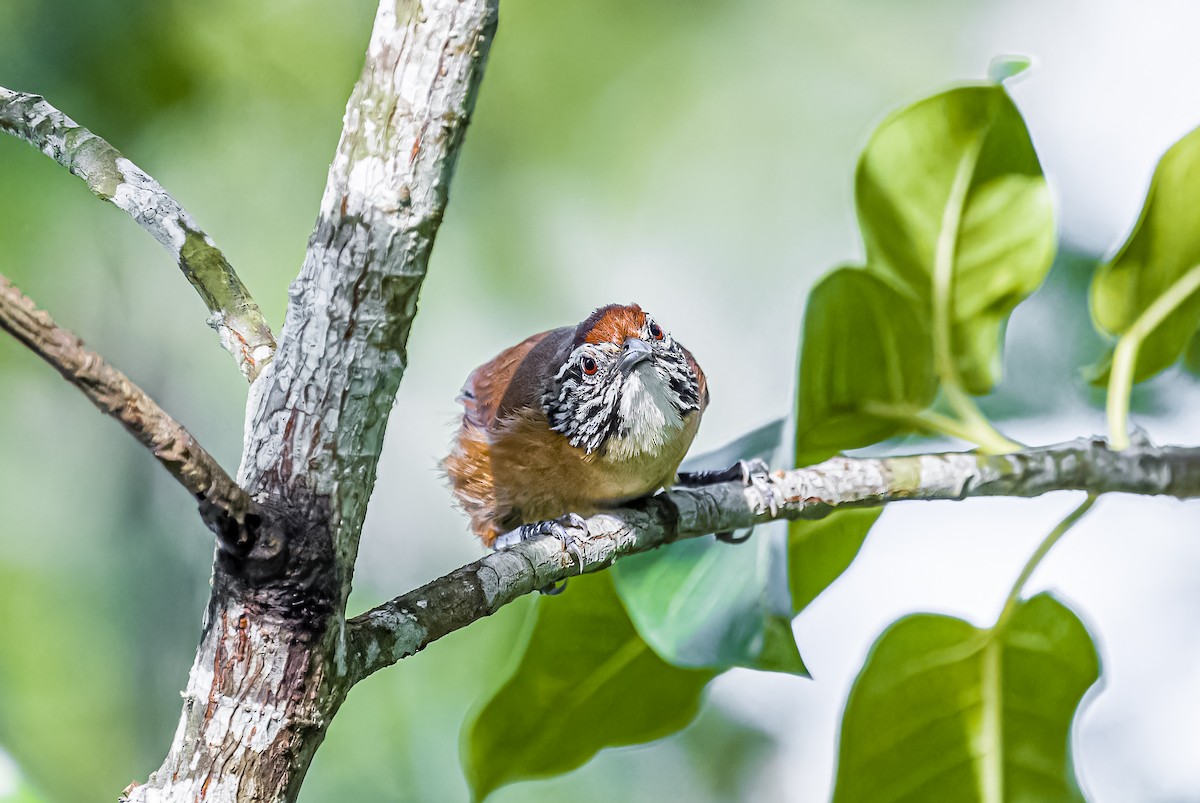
pixel 625 385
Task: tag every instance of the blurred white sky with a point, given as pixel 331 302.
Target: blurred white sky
pixel 1115 85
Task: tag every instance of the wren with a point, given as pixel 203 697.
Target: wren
pixel 573 421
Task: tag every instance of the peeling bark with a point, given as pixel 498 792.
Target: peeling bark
pixel 317 416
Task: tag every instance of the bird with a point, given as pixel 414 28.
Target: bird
pixel 572 421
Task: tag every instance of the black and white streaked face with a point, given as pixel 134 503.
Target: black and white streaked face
pixel 627 391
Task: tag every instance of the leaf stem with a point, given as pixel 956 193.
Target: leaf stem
pixel 985 434
pixel 991 772
pixel 978 431
pixel 1063 527
pixel 1124 365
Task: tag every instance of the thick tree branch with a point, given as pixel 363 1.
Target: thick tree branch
pixel 270 670
pixel 409 623
pixel 111 177
pixel 318 417
pixel 223 504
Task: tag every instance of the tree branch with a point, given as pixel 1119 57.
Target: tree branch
pixel 111 177
pixel 270 673
pixel 223 504
pixel 409 623
pixel 318 418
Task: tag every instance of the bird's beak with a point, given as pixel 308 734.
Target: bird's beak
pixel 636 350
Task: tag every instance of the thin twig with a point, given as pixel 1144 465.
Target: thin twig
pixel 409 623
pixel 226 508
pixel 111 177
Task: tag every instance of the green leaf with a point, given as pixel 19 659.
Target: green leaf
pixel 819 551
pixel 954 208
pixel 1008 66
pixel 706 604
pixel 945 711
pixel 1155 263
pixel 865 346
pixel 585 681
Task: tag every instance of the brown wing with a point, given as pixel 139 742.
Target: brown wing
pixel 509 380
pixel 485 387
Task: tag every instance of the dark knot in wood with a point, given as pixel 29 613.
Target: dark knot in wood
pixel 288 570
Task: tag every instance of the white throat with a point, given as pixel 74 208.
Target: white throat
pixel 648 418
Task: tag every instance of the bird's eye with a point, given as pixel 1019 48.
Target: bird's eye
pixel 589 366
pixel 656 331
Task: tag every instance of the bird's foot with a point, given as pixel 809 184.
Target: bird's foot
pixel 567 529
pixel 742 471
pixel 753 474
pixel 570 530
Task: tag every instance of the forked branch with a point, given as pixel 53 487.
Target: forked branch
pixel 269 673
pixel 111 177
pixel 222 503
pixel 409 623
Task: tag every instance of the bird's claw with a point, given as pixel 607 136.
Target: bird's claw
pixel 554 589
pixel 1139 437
pixel 574 544
pixel 567 530
pixel 758 480
pixel 754 475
